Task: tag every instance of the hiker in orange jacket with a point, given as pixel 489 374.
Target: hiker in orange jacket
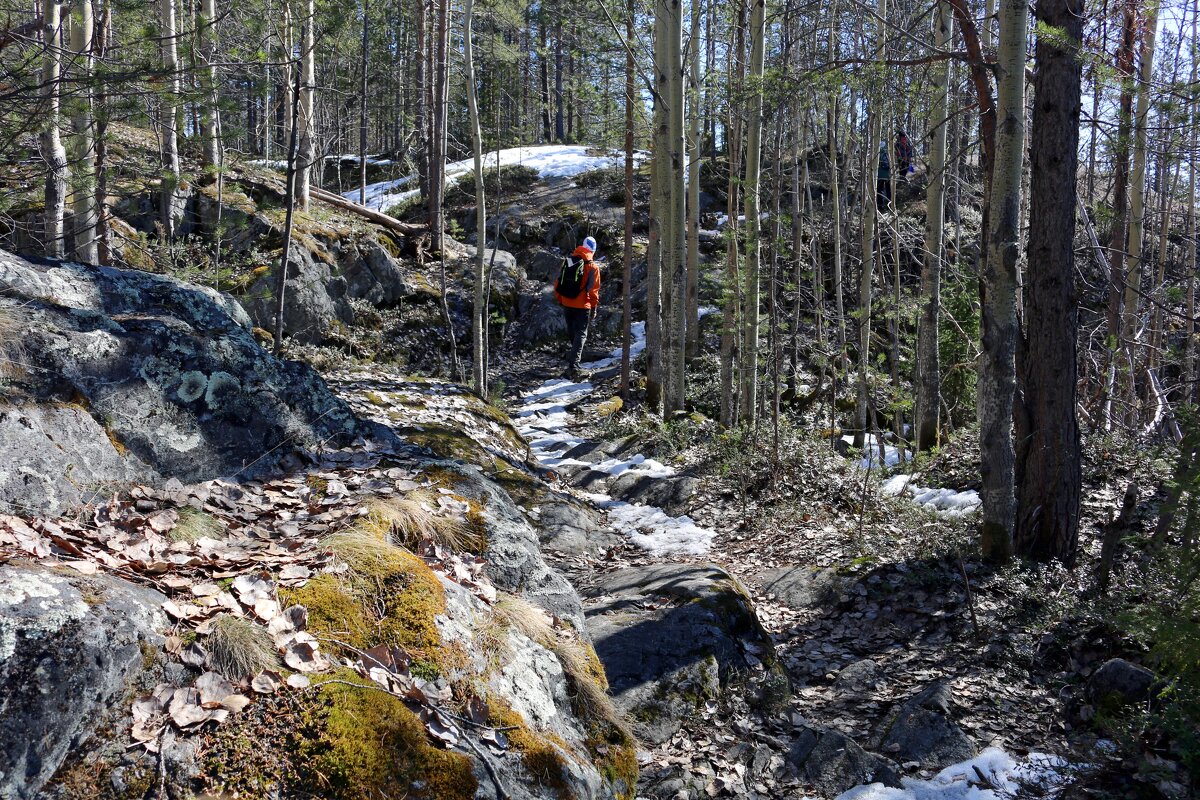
pixel 578 292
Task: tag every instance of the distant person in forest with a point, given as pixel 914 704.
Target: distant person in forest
pixel 904 155
pixel 883 181
pixel 578 291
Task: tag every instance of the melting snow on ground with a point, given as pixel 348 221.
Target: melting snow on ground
pixel 1003 778
pixel 543 419
pixel 945 501
pixel 551 161
pixel 891 454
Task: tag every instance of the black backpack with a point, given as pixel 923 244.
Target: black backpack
pixel 570 278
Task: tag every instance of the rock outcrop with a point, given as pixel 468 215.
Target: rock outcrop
pixel 132 376
pixel 675 636
pixel 70 648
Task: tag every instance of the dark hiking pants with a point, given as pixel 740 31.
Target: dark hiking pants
pixel 578 320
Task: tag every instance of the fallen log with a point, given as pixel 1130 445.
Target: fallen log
pixel 378 217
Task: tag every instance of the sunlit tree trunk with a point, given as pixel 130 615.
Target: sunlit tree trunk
pixel 363 115
pixel 1130 335
pixel 1120 204
pixel 732 301
pixel 660 201
pixel 479 310
pixel 998 288
pixel 172 115
pixel 631 97
pixel 83 156
pixel 929 377
pixel 750 309
pixel 693 184
pixel 870 216
pixel 210 119
pixel 308 121
pixel 1191 389
pixel 1048 459
pixel 674 241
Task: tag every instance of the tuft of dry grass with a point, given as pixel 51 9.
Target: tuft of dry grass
pixel 590 698
pixel 363 550
pixel 194 525
pixel 239 648
pixel 407 520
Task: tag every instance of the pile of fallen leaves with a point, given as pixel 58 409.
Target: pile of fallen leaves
pixel 221 549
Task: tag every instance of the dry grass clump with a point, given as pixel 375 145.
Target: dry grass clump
pixel 194 525
pixel 363 550
pixel 408 520
pixel 239 648
pixel 584 671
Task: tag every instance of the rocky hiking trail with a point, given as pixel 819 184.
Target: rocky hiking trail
pixel 833 675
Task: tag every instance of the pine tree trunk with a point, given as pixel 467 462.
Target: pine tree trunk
pixel 1130 336
pixel 84 137
pixel 100 50
pixel 1191 389
pixel 750 310
pixel 732 300
pixel 172 116
pixel 307 121
pixel 479 311
pixel 1049 471
pixel 420 98
pixel 835 198
pixel 674 246
pixel 1120 205
pixel 998 288
pixel 660 218
pixel 929 378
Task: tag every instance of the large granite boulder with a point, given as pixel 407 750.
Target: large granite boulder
pixel 674 636
pixel 134 376
pixel 70 647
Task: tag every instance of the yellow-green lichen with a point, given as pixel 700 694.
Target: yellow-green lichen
pixel 543 754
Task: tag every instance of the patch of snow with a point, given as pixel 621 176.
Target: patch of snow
pixel 1007 776
pixel 543 419
pixel 551 161
pixel 891 454
pixel 947 502
pixel 653 529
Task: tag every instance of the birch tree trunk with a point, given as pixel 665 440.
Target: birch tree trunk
pixel 210 119
pixel 1130 334
pixel 83 154
pixel 929 377
pixel 172 115
pixel 750 309
pixel 998 287
pixel 1048 459
pixel 307 121
pixel 693 185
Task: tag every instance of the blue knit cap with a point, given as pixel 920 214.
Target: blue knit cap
pixel 590 244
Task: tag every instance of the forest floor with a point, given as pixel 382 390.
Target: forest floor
pixel 865 595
